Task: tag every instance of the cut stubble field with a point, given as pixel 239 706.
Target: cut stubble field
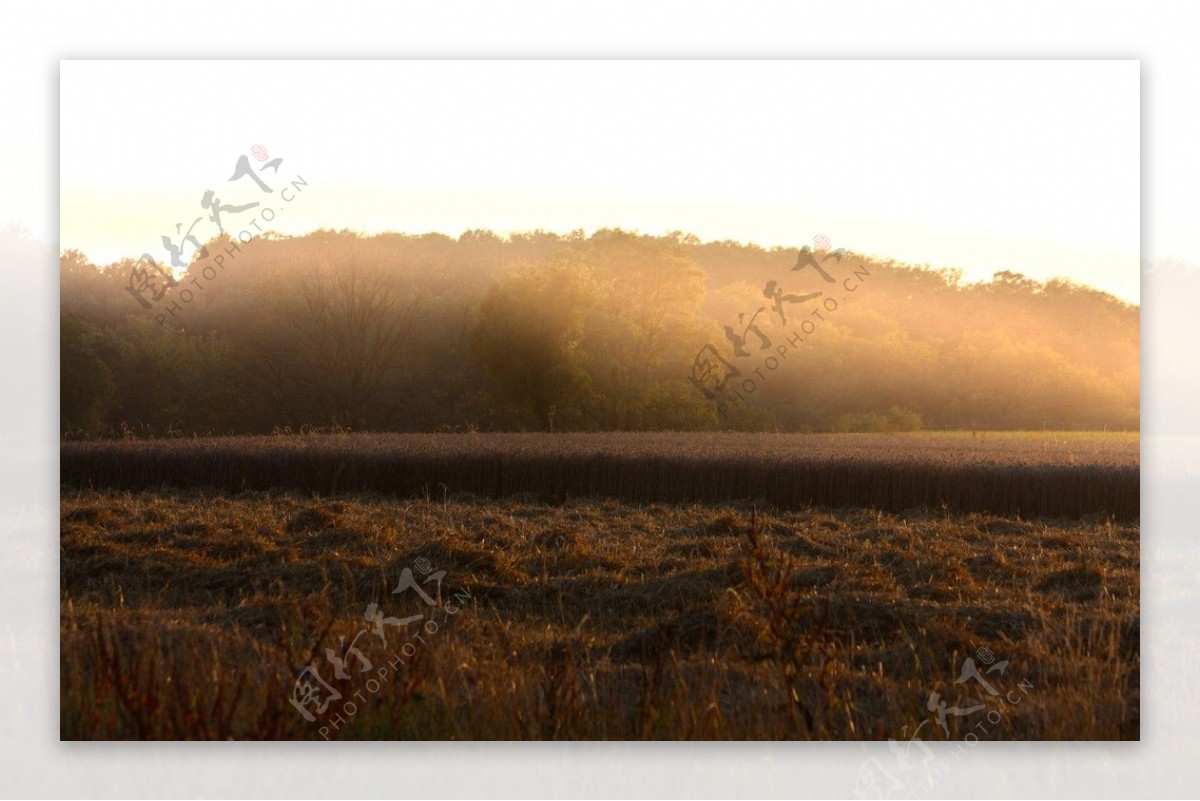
pixel 191 610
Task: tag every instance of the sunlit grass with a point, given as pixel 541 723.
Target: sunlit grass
pixel 189 615
pixel 1041 435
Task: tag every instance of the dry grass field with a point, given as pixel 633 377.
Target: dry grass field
pixel 191 613
pixel 1043 475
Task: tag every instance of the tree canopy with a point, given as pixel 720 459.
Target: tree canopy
pixel 541 331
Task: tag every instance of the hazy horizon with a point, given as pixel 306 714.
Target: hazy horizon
pixel 112 258
pixel 1029 167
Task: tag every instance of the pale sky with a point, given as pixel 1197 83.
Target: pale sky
pixel 1030 166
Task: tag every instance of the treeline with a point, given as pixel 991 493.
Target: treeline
pixel 613 331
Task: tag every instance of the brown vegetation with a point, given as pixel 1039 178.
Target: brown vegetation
pixel 190 615
pixel 1012 475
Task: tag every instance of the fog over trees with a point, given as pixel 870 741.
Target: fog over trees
pixel 540 331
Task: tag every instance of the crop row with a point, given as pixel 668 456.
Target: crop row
pixel 1006 477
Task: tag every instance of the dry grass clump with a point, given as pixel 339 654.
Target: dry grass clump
pixel 190 615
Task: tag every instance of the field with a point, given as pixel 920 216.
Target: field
pixel 1041 475
pixel 631 594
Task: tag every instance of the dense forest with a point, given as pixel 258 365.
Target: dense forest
pixel 613 331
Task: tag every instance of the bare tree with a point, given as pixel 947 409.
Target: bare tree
pixel 347 329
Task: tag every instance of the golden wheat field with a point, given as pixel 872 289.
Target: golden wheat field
pixel 198 607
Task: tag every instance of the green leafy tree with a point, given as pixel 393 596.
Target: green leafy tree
pixel 528 334
pixel 86 384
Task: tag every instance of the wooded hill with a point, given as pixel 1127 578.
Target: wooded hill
pixel 613 331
